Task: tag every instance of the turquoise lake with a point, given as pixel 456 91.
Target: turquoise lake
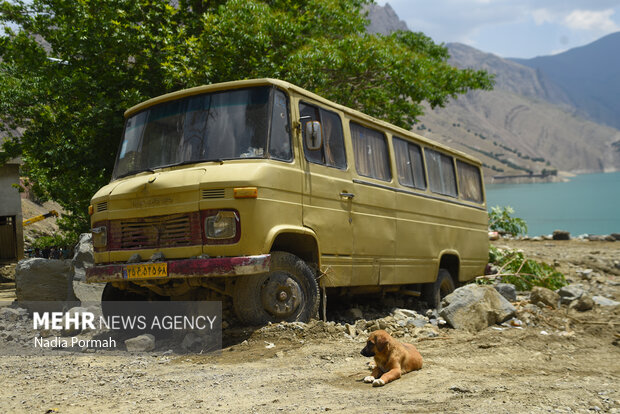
pixel 587 204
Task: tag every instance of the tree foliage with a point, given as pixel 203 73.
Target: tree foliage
pixel 69 68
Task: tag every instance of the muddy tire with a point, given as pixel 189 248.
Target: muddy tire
pixel 433 293
pixel 288 292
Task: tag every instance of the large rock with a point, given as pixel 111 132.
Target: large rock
pixel 142 343
pixel 570 293
pixel 38 280
pixel 561 235
pixel 543 295
pixel 83 257
pixel 507 290
pixel 583 303
pixel 88 292
pixel 603 301
pixel 474 308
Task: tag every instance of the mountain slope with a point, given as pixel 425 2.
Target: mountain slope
pixel 590 76
pixel 513 134
pixel 528 123
pixel 509 76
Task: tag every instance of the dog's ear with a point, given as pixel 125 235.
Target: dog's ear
pixel 380 342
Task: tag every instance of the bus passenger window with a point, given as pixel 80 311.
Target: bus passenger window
pixel 409 164
pixel 441 177
pixel 470 181
pixel 371 152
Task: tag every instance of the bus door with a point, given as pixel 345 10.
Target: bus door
pixel 327 194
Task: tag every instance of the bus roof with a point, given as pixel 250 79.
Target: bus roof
pixel 300 91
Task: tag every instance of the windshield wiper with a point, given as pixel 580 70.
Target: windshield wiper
pixel 220 160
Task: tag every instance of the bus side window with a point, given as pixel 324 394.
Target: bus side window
pixel 409 163
pixel 441 175
pixel 280 138
pixel 470 181
pixel 332 153
pixel 371 152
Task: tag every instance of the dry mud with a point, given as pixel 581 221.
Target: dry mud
pixel 568 361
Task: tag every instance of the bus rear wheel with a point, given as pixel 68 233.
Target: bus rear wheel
pixel 288 292
pixel 433 293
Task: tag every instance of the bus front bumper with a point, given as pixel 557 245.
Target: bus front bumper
pixel 179 269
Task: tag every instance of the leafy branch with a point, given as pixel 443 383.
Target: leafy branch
pixel 522 272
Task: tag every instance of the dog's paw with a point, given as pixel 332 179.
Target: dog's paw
pixel 369 379
pixel 378 383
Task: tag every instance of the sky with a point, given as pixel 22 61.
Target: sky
pixel 511 28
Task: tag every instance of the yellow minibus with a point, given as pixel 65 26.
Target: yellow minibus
pixel 272 195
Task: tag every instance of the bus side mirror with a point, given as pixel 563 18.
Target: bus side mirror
pixel 314 135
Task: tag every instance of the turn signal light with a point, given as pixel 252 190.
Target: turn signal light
pixel 245 192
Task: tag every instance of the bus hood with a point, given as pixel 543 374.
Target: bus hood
pixel 153 184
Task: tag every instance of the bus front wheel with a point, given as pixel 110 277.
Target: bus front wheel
pixel 288 292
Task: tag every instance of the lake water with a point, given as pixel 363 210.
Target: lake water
pixel 588 204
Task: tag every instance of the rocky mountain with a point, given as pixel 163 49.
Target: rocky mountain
pixel 383 19
pixel 590 76
pixel 528 124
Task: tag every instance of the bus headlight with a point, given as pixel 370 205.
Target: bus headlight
pixel 222 225
pixel 100 236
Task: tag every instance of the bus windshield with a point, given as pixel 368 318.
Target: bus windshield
pixel 241 123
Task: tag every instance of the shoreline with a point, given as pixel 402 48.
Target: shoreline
pixel 561 177
pixel 559 236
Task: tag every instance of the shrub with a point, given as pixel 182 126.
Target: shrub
pixel 501 220
pixel 523 273
pixel 59 240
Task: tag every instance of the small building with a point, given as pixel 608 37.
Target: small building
pixel 11 229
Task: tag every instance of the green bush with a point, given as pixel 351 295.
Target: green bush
pixel 59 240
pixel 524 273
pixel 501 220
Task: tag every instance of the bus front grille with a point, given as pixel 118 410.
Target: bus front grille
pixel 175 230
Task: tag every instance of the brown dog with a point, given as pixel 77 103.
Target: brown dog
pixel 391 357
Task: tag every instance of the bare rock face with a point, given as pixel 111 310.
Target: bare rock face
pixel 83 256
pixel 38 280
pixel 474 308
pixel 383 19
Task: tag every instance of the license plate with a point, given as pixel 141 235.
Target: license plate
pixel 148 270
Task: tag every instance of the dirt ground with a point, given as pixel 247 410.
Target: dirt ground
pixel 566 361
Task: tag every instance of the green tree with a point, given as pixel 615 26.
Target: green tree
pixel 69 68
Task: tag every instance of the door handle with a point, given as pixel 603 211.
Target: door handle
pixel 347 195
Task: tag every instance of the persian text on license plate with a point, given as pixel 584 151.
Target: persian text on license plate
pixel 148 270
